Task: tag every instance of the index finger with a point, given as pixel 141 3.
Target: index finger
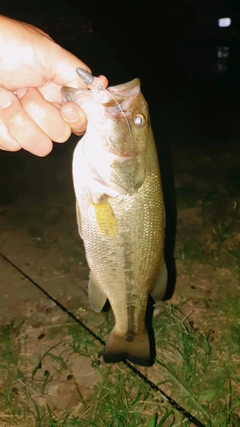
pixel 74 116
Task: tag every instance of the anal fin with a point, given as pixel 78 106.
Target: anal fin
pixel 96 295
pixel 159 290
pixel 79 222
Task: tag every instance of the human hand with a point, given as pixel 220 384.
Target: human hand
pixel 32 72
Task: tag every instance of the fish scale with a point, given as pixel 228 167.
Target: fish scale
pixel 120 213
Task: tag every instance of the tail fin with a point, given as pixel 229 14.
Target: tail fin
pixel 137 351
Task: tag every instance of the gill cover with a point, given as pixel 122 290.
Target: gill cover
pixel 117 134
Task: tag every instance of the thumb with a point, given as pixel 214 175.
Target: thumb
pixel 64 65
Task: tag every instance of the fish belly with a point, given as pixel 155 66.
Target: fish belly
pixel 124 243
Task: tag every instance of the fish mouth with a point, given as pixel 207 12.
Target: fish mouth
pixel 115 98
pixel 111 113
pixel 79 96
pixel 126 89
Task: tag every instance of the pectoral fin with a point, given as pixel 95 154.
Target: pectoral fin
pixel 105 218
pixel 159 290
pixel 97 297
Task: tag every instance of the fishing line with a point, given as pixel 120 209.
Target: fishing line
pixel 153 386
pixel 54 300
pixel 89 79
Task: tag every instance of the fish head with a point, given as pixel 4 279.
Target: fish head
pixel 117 135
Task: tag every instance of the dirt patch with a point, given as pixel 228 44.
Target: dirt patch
pixel 58 365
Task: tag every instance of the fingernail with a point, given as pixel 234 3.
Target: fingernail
pixel 5 99
pixel 72 116
pixel 21 92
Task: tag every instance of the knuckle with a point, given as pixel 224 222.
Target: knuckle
pixel 16 121
pixel 31 107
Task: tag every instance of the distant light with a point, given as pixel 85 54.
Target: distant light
pixel 223 52
pixel 224 22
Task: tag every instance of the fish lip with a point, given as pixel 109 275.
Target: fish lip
pixel 71 94
pixel 126 91
pixel 125 87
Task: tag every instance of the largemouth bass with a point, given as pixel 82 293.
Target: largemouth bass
pixel 120 212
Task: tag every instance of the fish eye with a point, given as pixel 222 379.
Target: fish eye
pixel 139 120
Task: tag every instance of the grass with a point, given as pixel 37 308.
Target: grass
pixel 210 199
pixel 187 196
pixel 210 357
pixel 197 372
pixel 192 250
pixel 208 369
pixel 214 237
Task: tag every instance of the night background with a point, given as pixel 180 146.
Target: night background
pixel 177 50
pixel 189 68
